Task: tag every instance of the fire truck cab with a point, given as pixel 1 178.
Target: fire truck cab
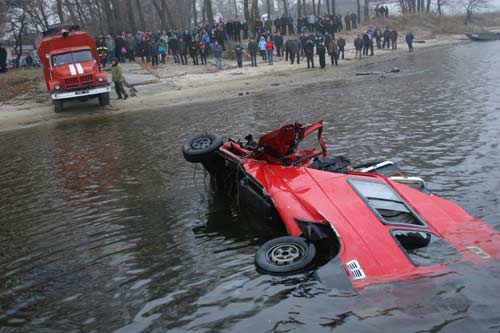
pixel 71 66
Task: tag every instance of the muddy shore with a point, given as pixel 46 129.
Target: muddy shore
pixel 175 85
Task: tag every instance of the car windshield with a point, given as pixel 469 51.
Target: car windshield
pixel 71 57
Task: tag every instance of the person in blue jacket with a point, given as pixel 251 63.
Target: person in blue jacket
pixel 262 48
pixel 409 40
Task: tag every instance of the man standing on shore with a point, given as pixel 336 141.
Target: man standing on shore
pixel 118 79
pixel 278 41
pixel 409 40
pixel 394 39
pixel 333 50
pixel 341 45
pixel 387 38
pixel 358 44
pixel 238 51
pixel 378 37
pixel 347 19
pixel 309 51
pixel 3 59
pixel 217 49
pixel 322 54
pixel 252 49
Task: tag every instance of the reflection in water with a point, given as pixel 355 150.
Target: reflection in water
pixel 102 227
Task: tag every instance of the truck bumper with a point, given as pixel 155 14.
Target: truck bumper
pixel 81 93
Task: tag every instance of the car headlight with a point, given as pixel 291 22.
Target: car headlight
pixel 57 87
pixel 100 79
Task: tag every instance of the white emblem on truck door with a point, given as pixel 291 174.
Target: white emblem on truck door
pixel 79 68
pixel 72 69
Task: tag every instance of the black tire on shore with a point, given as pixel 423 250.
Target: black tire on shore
pixel 58 105
pixel 199 148
pixel 104 99
pixel 285 256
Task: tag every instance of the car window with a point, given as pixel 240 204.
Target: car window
pixel 71 57
pixel 385 203
pixel 424 248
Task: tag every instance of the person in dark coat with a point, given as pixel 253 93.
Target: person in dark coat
pixel 354 22
pixel 292 50
pixel 394 39
pixel 322 54
pixel 347 20
pixel 278 42
pixel 358 44
pixel 378 37
pixel 387 38
pixel 309 51
pixel 341 44
pixel 366 44
pixel 252 50
pixel 153 51
pixel 290 25
pixel 238 51
pixel 173 44
pixel 3 59
pixel 183 51
pixel 409 40
pixel 284 24
pixel 193 52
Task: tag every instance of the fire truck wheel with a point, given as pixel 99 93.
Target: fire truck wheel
pixel 104 99
pixel 58 105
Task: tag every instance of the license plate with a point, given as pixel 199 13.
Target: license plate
pixel 81 92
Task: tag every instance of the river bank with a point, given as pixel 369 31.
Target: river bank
pixel 173 85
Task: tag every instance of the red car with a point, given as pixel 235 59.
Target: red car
pixel 372 223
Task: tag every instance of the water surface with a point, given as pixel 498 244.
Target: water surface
pixel 105 228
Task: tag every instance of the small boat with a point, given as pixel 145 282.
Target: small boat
pixel 484 36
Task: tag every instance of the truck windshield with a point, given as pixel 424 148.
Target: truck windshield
pixel 72 57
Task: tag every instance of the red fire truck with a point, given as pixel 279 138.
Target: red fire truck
pixel 71 66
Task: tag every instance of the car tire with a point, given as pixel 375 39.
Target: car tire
pixel 199 148
pixel 58 105
pixel 285 255
pixel 104 99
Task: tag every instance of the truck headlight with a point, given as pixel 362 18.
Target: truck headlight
pixel 100 79
pixel 57 87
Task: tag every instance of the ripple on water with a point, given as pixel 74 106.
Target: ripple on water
pixel 104 227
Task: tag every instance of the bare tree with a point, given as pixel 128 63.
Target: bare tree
pixel 285 6
pixel 209 11
pixel 60 13
pixel 358 6
pixel 470 6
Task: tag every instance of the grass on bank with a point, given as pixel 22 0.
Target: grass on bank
pixel 19 81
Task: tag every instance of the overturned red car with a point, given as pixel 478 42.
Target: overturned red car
pixel 372 223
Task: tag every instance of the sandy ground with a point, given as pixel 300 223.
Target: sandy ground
pixel 173 84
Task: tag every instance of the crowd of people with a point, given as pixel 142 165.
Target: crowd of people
pixel 284 37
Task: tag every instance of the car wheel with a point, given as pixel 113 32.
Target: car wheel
pixel 58 105
pixel 104 99
pixel 285 255
pixel 200 147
